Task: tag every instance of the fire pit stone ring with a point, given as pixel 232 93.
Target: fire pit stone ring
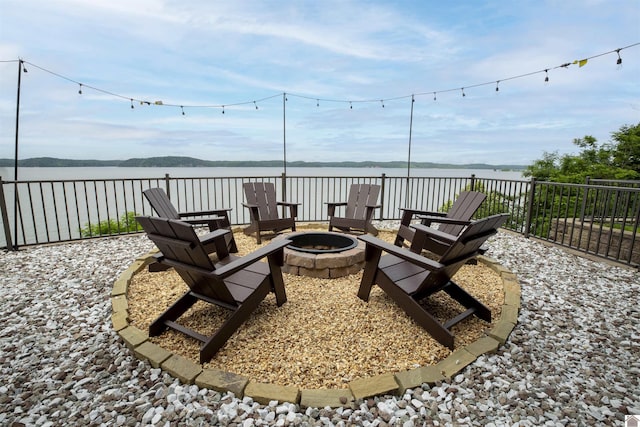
pixel 335 254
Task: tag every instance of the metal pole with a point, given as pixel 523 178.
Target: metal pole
pixel 409 155
pixel 284 130
pixel 284 147
pixel 15 162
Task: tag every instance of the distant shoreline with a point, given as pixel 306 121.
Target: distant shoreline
pixel 185 162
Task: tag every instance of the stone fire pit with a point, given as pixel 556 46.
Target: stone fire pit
pixel 322 254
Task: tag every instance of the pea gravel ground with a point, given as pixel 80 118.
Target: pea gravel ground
pixel 573 359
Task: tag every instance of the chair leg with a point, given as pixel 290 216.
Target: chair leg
pixel 231 325
pixel 172 313
pixel 277 283
pixel 419 314
pixel 372 258
pixel 467 300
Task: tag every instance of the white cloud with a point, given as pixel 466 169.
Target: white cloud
pixel 215 53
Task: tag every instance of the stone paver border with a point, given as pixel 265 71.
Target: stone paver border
pixel 192 373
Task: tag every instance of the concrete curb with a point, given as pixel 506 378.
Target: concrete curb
pixel 190 372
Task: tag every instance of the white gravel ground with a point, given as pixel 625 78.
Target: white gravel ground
pixel 573 359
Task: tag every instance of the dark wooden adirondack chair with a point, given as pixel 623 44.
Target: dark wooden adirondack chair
pixel 237 284
pixel 214 219
pixel 263 209
pixel 451 222
pixel 362 202
pixel 408 277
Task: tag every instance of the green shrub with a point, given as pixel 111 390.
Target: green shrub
pixel 125 224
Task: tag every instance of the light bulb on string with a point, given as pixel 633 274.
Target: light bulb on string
pixel 619 61
pixel 223 109
pixel 24 68
pixel 317 102
pixel 463 94
pixel 132 107
pixel 382 102
pixel 256 105
pixel 434 96
pixel 80 89
pixel 350 105
pixel 182 108
pixel 497 88
pixel 546 76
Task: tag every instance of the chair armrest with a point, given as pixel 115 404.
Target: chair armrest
pixel 373 206
pixel 404 254
pixel 217 212
pixel 421 212
pixel 197 221
pixel 407 215
pixel 240 263
pixel 293 208
pixel 336 203
pixel 443 220
pixel 213 235
pixel 432 233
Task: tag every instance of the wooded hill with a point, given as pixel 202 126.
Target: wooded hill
pixel 182 162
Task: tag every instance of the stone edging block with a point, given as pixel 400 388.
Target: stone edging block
pixel 263 393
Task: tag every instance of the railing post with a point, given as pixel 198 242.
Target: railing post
pixel 473 182
pixel 166 184
pixel 532 193
pixel 383 181
pixel 585 196
pixel 283 185
pixel 5 218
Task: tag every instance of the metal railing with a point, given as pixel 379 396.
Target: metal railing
pixel 597 219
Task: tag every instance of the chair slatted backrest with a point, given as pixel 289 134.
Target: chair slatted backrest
pixel 361 195
pixel 181 247
pixel 463 208
pixel 466 246
pixel 262 194
pixel 161 203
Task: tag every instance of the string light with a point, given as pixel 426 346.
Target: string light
pixel 565 65
pixel 619 61
pixel 132 107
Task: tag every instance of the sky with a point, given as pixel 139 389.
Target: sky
pixel 331 80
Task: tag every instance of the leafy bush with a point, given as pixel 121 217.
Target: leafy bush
pixel 125 224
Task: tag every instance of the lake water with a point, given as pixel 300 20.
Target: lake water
pixel 70 199
pixel 28 173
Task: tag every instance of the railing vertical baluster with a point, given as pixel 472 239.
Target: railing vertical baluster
pixel 532 196
pixel 5 218
pixel 383 186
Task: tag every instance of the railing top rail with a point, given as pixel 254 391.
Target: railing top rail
pixel 574 185
pixel 630 181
